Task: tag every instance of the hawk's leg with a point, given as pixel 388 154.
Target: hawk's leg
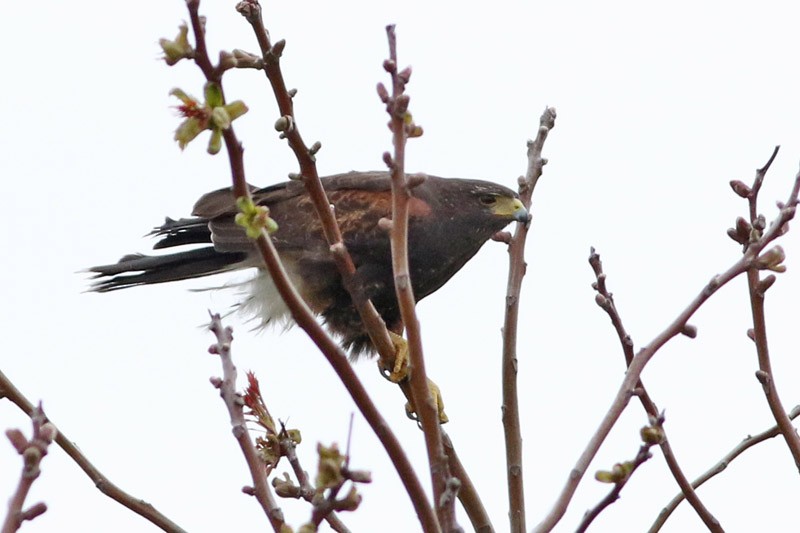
pixel 436 394
pixel 400 372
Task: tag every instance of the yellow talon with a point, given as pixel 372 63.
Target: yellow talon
pixel 400 372
pixel 400 369
pixel 436 394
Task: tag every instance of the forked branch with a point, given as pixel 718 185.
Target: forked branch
pixel 757 288
pixel 137 505
pixel 605 300
pixel 747 443
pixel 300 312
pixel 750 258
pixel 234 403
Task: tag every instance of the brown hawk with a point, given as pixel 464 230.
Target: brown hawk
pixel 449 220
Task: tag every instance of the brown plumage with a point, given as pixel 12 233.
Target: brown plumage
pixel 449 220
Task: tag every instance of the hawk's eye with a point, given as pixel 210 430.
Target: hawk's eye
pixel 488 200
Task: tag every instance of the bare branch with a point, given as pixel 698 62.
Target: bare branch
pixel 467 493
pixel 757 289
pixel 271 53
pixel 516 271
pixel 137 505
pixel 621 473
pixel 606 302
pixel 306 489
pixel 32 452
pixel 750 257
pixel 747 443
pixel 402 127
pixel 234 403
pixel 301 314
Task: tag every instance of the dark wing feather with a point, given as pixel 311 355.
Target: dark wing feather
pixel 181 232
pixel 353 194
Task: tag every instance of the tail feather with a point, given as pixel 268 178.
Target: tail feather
pixel 138 269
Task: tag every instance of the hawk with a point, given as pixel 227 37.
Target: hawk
pixel 449 220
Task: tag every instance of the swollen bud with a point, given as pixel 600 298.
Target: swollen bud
pixel 383 94
pixel 405 74
pixel 652 435
pixel 741 189
pixel 618 473
pixel 772 260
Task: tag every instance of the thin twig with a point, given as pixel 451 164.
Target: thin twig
pixel 303 316
pixel 651 435
pixel 332 474
pixel 426 407
pixel 32 452
pixel 625 392
pixel 234 403
pixel 137 505
pixel 747 443
pixel 757 289
pixel 516 257
pixel 606 302
pixel 307 491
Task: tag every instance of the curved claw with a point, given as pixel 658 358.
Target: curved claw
pixel 400 372
pixel 436 394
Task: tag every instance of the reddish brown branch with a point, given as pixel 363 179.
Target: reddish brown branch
pixel 303 316
pixel 747 443
pixel 306 159
pixel 757 290
pixel 373 323
pixel 750 257
pixel 606 301
pixel 467 493
pixel 516 255
pixel 233 402
pixel 137 505
pixel 426 408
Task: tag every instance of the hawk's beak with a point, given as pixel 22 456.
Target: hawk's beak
pixel 520 214
pixel 511 208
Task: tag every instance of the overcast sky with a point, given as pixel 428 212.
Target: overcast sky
pixel 659 107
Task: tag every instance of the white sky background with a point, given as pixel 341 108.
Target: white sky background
pixel 659 106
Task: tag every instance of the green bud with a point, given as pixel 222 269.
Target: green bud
pixel 619 472
pixel 177 49
pixel 215 142
pixel 183 97
pixel 652 434
pixel 220 119
pixel 329 470
pixel 187 131
pixel 236 109
pixel 294 434
pixel 253 217
pixel 213 94
pixel 772 260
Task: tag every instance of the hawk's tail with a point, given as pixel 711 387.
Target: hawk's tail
pixel 138 269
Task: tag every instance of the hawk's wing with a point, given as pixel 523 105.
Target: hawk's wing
pixel 359 199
